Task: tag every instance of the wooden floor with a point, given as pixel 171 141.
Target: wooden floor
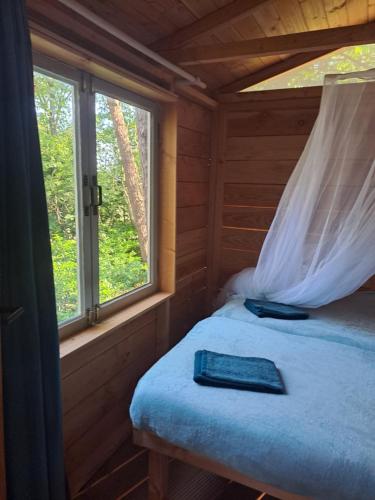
pixel 124 476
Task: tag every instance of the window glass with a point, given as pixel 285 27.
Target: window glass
pixel 55 107
pixel 123 173
pixel 99 173
pixel 356 58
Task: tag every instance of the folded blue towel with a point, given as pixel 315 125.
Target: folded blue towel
pixel 264 309
pixel 236 372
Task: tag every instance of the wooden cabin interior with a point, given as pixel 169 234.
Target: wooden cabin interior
pixel 223 158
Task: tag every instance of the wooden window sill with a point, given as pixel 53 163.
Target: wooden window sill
pixel 97 332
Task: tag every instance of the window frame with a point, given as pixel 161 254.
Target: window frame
pixel 100 86
pixel 85 87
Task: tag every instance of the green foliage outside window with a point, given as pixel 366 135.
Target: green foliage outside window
pixel 121 265
pixel 346 60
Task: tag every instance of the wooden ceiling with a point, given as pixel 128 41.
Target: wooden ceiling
pixel 174 24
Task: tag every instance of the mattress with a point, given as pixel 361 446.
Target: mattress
pixel 349 321
pixel 317 440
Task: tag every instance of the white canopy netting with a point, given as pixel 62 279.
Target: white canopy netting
pixel 321 244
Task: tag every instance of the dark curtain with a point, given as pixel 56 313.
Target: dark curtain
pixel 32 403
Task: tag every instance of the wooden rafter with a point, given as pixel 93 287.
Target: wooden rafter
pixel 208 24
pixel 308 41
pixel 272 70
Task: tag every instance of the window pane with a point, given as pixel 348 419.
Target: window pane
pixel 346 60
pixel 54 100
pixel 123 168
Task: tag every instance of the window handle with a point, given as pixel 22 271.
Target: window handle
pixel 96 198
pixel 99 196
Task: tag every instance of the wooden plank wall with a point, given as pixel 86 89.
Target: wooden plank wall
pixel 262 136
pixel 193 175
pixel 97 383
pixel 98 380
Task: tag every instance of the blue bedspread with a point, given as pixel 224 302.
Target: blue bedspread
pixel 317 440
pixel 349 321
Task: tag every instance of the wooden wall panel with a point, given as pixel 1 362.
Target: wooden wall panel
pixel 186 264
pixel 189 304
pixel 97 394
pixel 191 169
pixel 248 217
pixel 271 122
pixel 113 360
pixel 190 241
pixel 78 357
pixel 234 260
pixel 258 172
pixel 370 284
pixel 274 147
pixel 193 143
pixel 191 194
pixel 189 218
pixel 254 195
pixel 265 133
pixel 262 139
pixel 243 239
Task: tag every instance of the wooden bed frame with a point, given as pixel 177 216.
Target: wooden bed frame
pixel 161 450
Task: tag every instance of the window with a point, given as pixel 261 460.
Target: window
pixel 55 101
pixel 98 152
pixel 356 58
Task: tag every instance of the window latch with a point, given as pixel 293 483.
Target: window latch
pixel 92 195
pixel 96 195
pixel 96 198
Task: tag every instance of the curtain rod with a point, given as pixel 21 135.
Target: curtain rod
pixel 188 78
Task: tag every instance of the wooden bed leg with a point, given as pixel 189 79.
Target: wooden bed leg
pixel 158 476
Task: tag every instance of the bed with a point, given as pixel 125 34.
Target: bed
pixel 317 441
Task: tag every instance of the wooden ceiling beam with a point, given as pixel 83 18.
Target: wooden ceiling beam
pixel 221 17
pixel 307 41
pixel 271 71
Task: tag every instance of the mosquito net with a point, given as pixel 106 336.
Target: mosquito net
pixel 321 244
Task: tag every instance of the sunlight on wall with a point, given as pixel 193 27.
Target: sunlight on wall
pixel 357 58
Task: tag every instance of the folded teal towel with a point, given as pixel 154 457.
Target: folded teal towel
pixel 265 309
pixel 236 372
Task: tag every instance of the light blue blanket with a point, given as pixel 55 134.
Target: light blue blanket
pixel 317 440
pixel 349 321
